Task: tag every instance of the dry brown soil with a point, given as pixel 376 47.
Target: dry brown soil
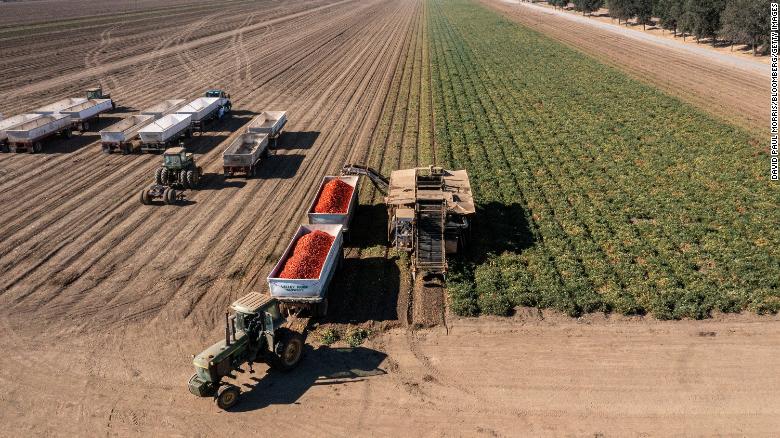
pixel 103 300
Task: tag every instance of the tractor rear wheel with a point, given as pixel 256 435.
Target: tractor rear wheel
pixel 193 178
pixel 182 179
pixel 145 197
pixel 288 351
pixel 164 176
pixel 227 396
pixel 158 175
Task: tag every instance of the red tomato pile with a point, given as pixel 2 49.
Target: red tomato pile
pixel 334 197
pixel 308 256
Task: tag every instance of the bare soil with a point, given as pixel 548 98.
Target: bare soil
pixel 103 300
pixel 736 95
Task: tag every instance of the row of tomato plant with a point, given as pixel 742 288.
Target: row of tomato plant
pixel 595 192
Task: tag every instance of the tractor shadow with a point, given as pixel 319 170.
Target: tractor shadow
pixel 297 140
pixel 320 366
pixel 279 166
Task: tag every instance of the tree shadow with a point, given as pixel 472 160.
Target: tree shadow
pixel 498 228
pixel 321 366
pixel 365 289
pixel 282 166
pixel 297 140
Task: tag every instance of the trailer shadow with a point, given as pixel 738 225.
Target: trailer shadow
pixel 216 181
pixel 365 289
pixel 369 226
pixel 297 140
pixel 281 166
pixel 320 366
pixel 204 142
pixel 61 145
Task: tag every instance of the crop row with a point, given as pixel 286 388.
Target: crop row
pixel 595 192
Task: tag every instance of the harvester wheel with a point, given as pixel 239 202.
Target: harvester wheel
pixel 227 396
pixel 145 197
pixel 288 351
pixel 158 175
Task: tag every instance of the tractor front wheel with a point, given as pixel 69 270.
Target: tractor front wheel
pixel 288 352
pixel 227 396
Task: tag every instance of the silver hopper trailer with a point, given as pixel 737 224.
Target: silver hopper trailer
pixel 268 122
pixel 163 108
pixel 158 135
pixel 30 135
pixel 244 153
pixel 123 136
pixel 12 122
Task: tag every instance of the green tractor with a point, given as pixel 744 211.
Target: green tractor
pixel 177 173
pixel 256 332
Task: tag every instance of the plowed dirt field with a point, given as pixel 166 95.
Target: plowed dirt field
pixel 103 300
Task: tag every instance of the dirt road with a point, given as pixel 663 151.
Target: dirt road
pixel 732 89
pixel 102 300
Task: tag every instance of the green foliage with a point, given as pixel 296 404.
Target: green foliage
pixel 329 336
pixel 357 336
pixel 745 22
pixel 668 13
pixel 593 196
pixel 587 6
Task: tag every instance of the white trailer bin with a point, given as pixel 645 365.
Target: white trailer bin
pixel 123 136
pixel 12 122
pixel 308 294
pixel 30 135
pixel 60 105
pixel 82 113
pixel 342 219
pixel 163 108
pixel 268 122
pixel 161 133
pixel 243 154
pixel 204 109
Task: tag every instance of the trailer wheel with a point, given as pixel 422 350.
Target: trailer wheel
pixel 289 351
pixel 66 133
pixel 5 148
pixel 322 308
pixel 85 127
pixel 227 396
pixel 145 197
pixel 36 147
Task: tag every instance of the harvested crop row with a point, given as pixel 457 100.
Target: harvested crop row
pixel 308 256
pixel 334 197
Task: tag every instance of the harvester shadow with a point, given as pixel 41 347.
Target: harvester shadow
pixel 215 181
pixel 365 289
pixel 369 226
pixel 297 140
pixel 498 228
pixel 281 166
pixel 321 366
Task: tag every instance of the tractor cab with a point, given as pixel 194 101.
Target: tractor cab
pixel 217 93
pixel 176 158
pixel 97 93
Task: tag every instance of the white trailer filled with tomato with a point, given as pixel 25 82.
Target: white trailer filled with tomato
pixel 309 294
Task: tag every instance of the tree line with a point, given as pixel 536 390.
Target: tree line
pixel 731 21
